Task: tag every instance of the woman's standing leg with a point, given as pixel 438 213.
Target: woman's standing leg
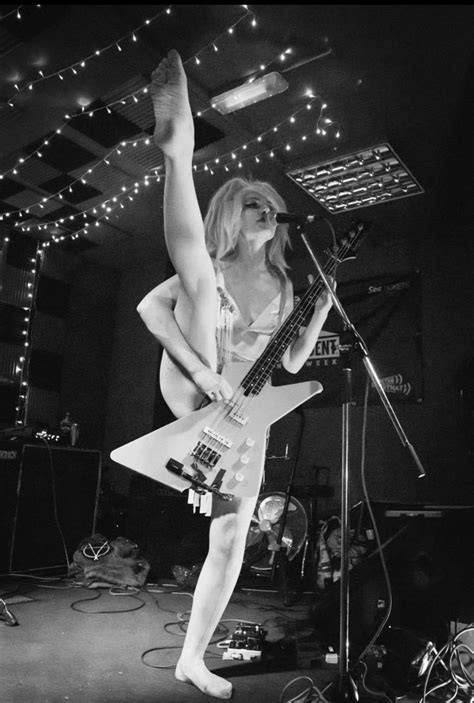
pixel 219 574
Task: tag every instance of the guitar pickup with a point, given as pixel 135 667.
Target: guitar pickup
pixel 179 470
pixel 238 417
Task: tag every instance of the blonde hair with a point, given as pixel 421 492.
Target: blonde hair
pixel 223 221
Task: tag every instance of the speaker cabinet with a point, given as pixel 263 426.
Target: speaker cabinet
pixel 431 560
pixel 165 527
pixel 50 502
pixel 430 564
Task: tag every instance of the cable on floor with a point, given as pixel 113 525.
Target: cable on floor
pixel 220 634
pixel 310 694
pixel 100 612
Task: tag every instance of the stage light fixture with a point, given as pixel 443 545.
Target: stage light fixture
pixel 249 93
pixel 366 177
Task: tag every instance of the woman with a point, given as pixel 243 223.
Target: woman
pixel 232 263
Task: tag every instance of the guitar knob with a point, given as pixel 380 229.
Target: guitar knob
pixel 239 476
pixel 244 459
pixel 249 442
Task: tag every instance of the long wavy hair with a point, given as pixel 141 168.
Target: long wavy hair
pixel 223 221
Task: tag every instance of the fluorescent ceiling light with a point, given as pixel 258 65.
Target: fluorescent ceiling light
pixel 249 93
pixel 367 177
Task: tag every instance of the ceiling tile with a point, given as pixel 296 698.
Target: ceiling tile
pixel 79 191
pixel 9 187
pixel 35 171
pixel 107 129
pixel 61 152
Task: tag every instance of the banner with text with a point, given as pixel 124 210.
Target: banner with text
pixel 386 311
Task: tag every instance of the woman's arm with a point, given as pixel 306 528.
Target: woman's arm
pixel 298 352
pixel 157 312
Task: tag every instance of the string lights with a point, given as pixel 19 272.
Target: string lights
pixel 237 159
pixel 82 178
pixel 82 63
pixel 237 155
pixel 134 96
pixel 131 36
pixel 39 151
pixel 196 58
pixel 12 12
pixel 234 158
pixel 108 207
pixel 280 57
pixel 15 12
pixel 22 366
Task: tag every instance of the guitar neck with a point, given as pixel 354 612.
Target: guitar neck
pixel 261 371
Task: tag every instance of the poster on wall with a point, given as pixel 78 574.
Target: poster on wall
pixel 386 312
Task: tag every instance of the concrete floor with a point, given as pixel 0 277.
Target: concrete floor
pixel 81 645
pixel 59 654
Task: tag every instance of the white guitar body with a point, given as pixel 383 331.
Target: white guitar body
pixel 222 444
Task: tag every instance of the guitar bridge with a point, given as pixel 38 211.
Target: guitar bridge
pixel 177 468
pixel 205 455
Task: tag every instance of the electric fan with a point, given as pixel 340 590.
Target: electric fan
pixel 265 527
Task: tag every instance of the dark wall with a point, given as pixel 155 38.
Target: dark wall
pixel 88 350
pixel 403 238
pixel 133 367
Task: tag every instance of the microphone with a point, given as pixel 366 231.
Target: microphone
pixel 283 218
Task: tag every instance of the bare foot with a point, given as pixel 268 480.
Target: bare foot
pixel 174 129
pixel 202 678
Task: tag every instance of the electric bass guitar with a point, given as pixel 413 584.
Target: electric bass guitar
pixel 221 447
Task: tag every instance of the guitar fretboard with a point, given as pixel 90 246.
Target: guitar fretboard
pixel 262 369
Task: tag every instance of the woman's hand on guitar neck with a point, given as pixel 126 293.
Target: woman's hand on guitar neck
pixel 324 303
pixel 211 384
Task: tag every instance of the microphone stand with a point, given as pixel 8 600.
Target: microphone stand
pixel 346 688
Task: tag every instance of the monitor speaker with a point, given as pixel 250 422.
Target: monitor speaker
pixel 50 503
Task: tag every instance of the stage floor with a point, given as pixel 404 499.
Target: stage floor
pixel 91 646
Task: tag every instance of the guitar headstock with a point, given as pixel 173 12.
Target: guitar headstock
pixel 349 243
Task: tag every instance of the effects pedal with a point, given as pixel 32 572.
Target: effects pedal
pixel 246 644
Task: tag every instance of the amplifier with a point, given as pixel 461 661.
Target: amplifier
pixel 49 502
